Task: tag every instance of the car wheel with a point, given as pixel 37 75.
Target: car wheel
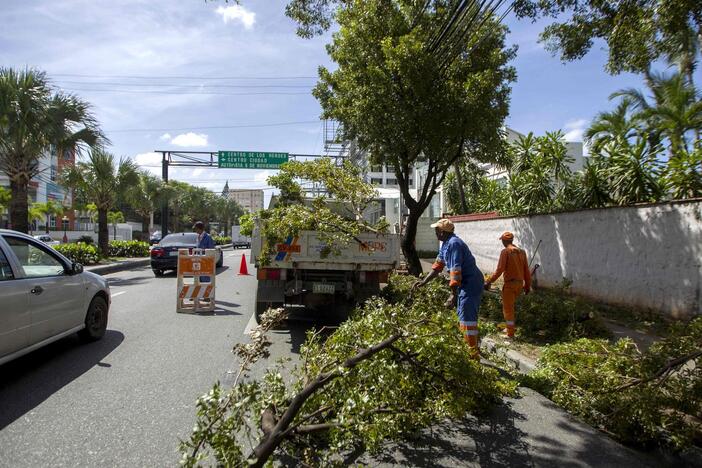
pixel 95 320
pixel 158 273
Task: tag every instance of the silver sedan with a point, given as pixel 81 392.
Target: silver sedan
pixel 45 297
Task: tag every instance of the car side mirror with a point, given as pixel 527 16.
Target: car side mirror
pixel 76 268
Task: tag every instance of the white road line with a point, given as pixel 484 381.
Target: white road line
pixel 117 293
pixel 251 325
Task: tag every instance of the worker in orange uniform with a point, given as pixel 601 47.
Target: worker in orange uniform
pixel 513 264
pixel 466 281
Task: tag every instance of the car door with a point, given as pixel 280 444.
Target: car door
pixel 14 311
pixel 56 299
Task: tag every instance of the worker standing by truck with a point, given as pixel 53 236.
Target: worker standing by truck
pixel 466 281
pixel 514 266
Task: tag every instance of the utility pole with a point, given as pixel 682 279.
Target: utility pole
pixel 164 202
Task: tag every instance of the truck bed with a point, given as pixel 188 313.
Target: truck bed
pixel 378 252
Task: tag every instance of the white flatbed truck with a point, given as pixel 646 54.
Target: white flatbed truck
pixel 300 274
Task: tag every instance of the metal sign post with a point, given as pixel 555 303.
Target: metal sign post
pixel 196 280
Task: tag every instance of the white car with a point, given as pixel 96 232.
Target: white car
pixel 45 238
pixel 45 297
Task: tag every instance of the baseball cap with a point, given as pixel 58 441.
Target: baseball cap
pixel 444 224
pixel 507 236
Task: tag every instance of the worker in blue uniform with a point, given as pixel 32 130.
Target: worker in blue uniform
pixel 465 280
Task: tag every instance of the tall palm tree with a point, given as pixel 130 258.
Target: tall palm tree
pixel 616 126
pixel 101 180
pixel 146 198
pixel 32 119
pixel 675 110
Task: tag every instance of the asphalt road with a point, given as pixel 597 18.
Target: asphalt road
pixel 127 399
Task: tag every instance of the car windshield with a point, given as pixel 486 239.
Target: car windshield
pixel 184 238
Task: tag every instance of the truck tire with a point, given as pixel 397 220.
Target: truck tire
pixel 263 305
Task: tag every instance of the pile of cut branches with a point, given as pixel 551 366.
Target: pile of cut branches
pixel 644 398
pixel 391 369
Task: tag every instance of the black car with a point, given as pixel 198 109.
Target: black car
pixel 155 238
pixel 164 255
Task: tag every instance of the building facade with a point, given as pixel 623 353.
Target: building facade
pixel 45 187
pixel 249 200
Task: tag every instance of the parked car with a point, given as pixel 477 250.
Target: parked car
pixel 45 297
pixel 155 238
pixel 164 255
pixel 45 238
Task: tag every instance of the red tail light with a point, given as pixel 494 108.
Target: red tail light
pixel 157 252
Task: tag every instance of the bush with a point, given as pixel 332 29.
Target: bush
pixel 80 252
pixel 86 240
pixel 643 398
pixel 549 316
pixel 222 240
pixel 131 248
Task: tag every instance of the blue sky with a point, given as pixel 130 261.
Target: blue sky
pixel 134 59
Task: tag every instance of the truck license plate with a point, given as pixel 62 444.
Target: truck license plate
pixel 173 254
pixel 322 288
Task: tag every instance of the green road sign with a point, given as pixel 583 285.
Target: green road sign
pixel 250 160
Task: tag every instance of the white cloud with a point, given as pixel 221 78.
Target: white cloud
pixel 237 13
pixel 190 140
pixel 575 129
pixel 147 159
pixel 165 137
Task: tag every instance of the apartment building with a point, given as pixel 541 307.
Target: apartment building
pixel 249 200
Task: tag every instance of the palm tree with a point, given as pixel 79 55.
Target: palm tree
pixel 616 126
pixel 676 109
pixel 594 187
pixel 48 209
pixel 101 181
pixel 553 153
pixel 32 119
pixel 683 176
pixel 146 198
pixel 522 153
pixel 633 173
pixel 114 218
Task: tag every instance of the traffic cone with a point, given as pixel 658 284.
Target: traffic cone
pixel 243 270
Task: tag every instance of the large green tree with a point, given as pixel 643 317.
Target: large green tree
pixel 146 199
pixel 33 119
pixel 637 32
pixel 412 96
pixel 48 209
pixel 101 179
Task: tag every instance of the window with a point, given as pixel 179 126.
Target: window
pixel 52 221
pixel 376 181
pixel 391 181
pixel 5 269
pixel 35 261
pixel 377 168
pixel 54 173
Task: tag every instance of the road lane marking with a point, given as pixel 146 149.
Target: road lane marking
pixel 117 293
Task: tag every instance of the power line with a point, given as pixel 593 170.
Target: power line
pixel 139 91
pixel 195 85
pixel 280 124
pixel 185 77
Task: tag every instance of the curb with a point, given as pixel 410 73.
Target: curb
pixel 520 362
pixel 121 266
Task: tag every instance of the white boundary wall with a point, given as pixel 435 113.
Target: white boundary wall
pixel 646 256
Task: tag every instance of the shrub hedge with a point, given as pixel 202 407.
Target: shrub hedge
pixel 80 252
pixel 131 248
pixel 222 240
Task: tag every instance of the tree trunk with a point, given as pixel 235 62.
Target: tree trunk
pixel 409 249
pixel 103 232
pixel 19 205
pixel 461 189
pixel 47 223
pixel 151 223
